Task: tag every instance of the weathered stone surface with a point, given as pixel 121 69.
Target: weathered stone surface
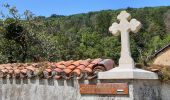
pixel 126 73
pixel 69 90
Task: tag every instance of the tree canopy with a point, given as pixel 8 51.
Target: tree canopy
pixel 29 38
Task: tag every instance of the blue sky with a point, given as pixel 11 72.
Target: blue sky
pixel 69 7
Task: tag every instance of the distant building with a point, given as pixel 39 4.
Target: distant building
pixel 162 57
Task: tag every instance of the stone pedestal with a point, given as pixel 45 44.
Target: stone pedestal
pixel 127 73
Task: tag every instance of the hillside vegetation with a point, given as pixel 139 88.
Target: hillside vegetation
pixel 29 38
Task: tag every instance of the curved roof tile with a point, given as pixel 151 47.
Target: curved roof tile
pixel 86 69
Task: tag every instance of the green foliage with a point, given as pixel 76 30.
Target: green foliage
pixel 166 74
pixel 103 21
pixel 111 47
pixel 89 46
pixel 29 38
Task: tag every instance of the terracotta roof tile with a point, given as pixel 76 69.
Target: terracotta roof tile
pixel 24 71
pixel 61 66
pixel 67 70
pixel 85 62
pixel 107 64
pixel 71 67
pixel 67 63
pixel 81 67
pixel 8 67
pixel 77 72
pixel 89 70
pixel 64 69
pixel 76 63
pixel 48 70
pixel 10 71
pixel 96 61
pixel 1 68
pixel 30 68
pixel 59 63
pixel 4 70
pixel 17 71
pixel 58 70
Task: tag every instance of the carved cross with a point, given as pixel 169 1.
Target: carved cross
pixel 124 27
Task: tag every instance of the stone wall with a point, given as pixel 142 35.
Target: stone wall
pixel 42 89
pixel 163 58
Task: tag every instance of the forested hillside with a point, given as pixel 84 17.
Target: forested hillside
pixel 30 38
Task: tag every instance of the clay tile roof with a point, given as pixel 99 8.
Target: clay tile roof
pixel 8 67
pixel 10 71
pixel 24 71
pixel 95 61
pixel 67 70
pixel 30 68
pixel 67 63
pixel 76 63
pixel 107 63
pixel 87 68
pixel 48 70
pixel 58 70
pixel 17 71
pixel 4 70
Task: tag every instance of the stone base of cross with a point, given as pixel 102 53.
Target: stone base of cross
pixel 126 68
pixel 126 62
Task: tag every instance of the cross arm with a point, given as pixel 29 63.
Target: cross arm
pixel 135 25
pixel 114 29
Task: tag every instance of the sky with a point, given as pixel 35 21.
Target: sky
pixel 69 7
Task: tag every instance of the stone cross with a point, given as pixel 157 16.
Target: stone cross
pixel 124 27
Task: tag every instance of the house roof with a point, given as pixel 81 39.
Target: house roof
pixel 161 50
pixel 86 69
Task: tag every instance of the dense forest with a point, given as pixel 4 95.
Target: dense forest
pixel 30 38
